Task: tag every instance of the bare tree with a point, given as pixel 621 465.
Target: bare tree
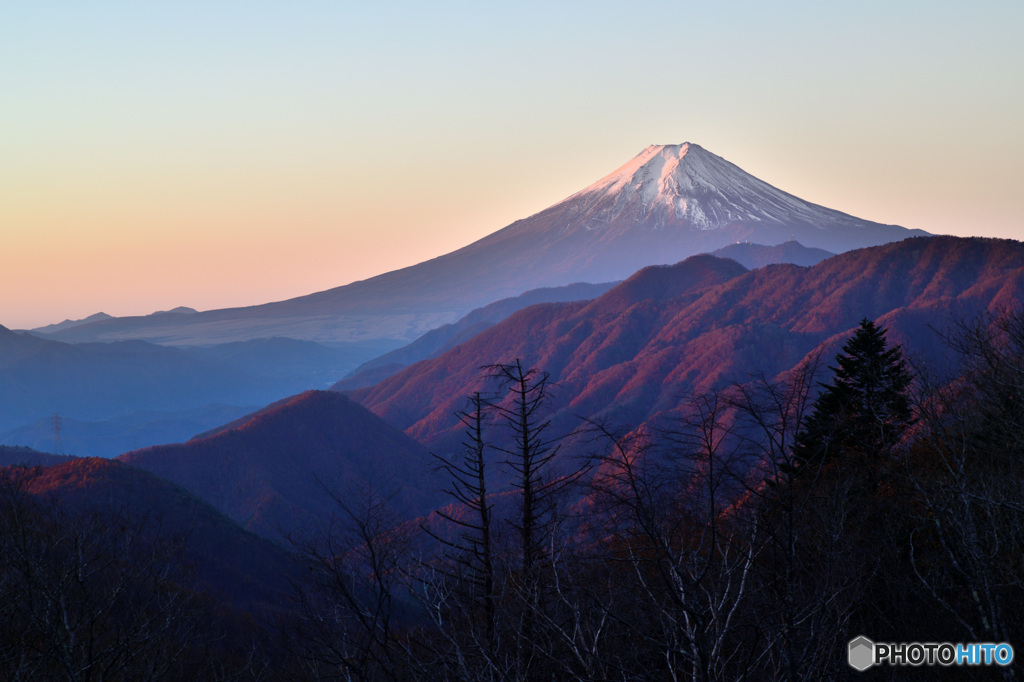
pixel 489 592
pixel 527 458
pixel 347 626
pixel 469 556
pixel 458 588
pixel 967 543
pixel 529 455
pixel 807 579
pixel 690 542
pixel 88 594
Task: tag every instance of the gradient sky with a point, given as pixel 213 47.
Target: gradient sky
pixel 215 154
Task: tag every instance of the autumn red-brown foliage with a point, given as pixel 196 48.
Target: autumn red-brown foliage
pixel 703 323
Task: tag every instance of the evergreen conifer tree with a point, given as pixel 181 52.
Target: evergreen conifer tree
pixel 864 411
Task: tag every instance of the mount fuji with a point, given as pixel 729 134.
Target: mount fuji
pixel 666 204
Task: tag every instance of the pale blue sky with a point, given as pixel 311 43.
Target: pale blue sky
pixel 229 153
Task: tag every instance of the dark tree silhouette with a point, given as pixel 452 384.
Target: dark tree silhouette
pixel 470 555
pixel 865 409
pixel 966 542
pixel 89 594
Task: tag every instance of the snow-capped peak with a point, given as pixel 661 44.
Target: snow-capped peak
pixel 661 174
pixel 684 183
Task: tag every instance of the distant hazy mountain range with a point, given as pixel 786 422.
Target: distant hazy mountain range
pixel 131 431
pixel 68 324
pixel 114 397
pixel 437 341
pixel 757 256
pixel 666 204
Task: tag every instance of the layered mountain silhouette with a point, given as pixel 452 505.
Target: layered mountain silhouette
pixel 635 352
pixel 669 202
pixel 111 437
pixel 233 565
pixel 283 469
pixel 68 324
pixel 630 356
pixel 118 396
pixel 437 341
pixel 757 255
pixel 445 337
pixel 20 455
pixel 95 381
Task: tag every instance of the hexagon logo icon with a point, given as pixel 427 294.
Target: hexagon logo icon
pixel 861 654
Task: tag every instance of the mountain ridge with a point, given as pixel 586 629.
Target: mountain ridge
pixel 631 353
pixel 436 341
pixel 275 471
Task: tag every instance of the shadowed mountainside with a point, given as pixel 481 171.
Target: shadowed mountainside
pixel 18 455
pixel 246 571
pixel 272 471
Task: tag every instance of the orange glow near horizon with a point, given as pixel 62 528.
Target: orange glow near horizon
pixel 237 153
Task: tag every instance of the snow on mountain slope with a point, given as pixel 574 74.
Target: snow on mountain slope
pixel 668 203
pixel 684 183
